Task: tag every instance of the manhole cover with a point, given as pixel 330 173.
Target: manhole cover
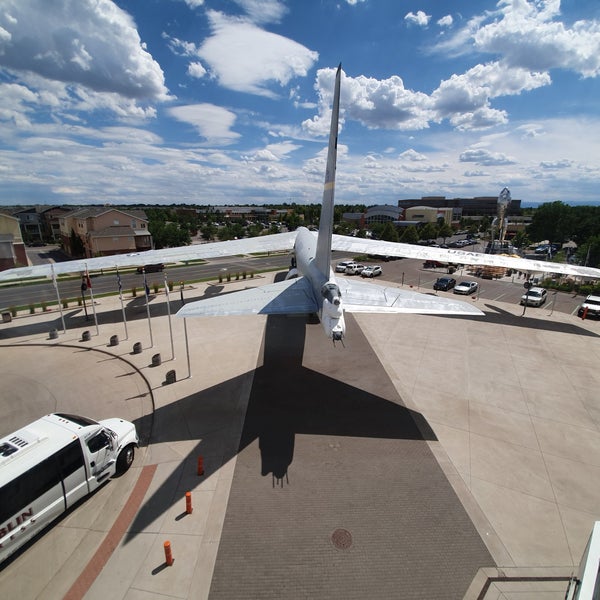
pixel 341 539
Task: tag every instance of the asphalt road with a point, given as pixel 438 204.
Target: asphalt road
pixel 408 273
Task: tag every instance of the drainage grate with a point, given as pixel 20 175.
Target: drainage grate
pixel 342 539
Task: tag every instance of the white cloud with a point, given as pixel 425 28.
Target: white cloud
pixel 245 58
pixel 481 156
pixel 419 18
pixel 195 69
pixel 446 21
pixel 90 43
pixel 212 122
pixel 263 11
pixel 412 155
pixel 528 35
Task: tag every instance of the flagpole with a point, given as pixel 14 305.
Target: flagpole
pixel 89 285
pixel 121 299
pixel 62 318
pixel 147 290
pixel 187 346
pixel 169 314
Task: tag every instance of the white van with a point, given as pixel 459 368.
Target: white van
pixel 50 464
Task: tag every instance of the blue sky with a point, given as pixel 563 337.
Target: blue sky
pixel 228 101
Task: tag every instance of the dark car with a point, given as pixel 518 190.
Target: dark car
pixel 444 283
pixel 433 264
pixel 151 268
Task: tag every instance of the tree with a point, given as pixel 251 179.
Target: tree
pixel 77 247
pixel 410 235
pixel 429 231
pixel 553 221
pixel 445 231
pixel 389 233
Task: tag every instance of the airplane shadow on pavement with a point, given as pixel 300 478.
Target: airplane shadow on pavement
pixel 343 392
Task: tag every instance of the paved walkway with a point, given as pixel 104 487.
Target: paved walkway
pixel 511 417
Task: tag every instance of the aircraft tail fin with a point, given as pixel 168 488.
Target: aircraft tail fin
pixel 323 255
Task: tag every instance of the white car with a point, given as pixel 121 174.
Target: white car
pixel 341 266
pixel 466 287
pixel 354 269
pixel 536 296
pixel 371 271
pixel 590 307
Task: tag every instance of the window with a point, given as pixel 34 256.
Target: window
pixel 70 459
pixel 29 486
pixel 99 441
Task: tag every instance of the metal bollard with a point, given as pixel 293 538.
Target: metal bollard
pixel 54 334
pixel 156 360
pixel 137 347
pixel 86 336
pixel 171 378
pixel 114 340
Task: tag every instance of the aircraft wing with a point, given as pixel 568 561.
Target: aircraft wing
pixel 267 243
pixel 360 296
pixel 368 246
pixel 293 296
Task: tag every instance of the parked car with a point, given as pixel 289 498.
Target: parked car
pixel 536 296
pixel 151 268
pixel 466 287
pixel 433 264
pixel 371 271
pixel 444 283
pixel 341 266
pixel 354 269
pixel 590 306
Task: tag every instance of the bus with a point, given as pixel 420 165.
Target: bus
pixel 50 464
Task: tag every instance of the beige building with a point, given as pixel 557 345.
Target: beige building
pixel 12 248
pixel 428 214
pixel 104 231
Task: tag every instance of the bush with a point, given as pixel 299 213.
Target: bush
pixel 31 309
pixel 155 287
pixel 170 284
pixel 134 291
pixel 13 311
pixel 65 303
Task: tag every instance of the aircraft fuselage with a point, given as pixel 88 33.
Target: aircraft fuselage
pixel 325 289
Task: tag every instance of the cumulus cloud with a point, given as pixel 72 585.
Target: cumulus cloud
pixel 90 43
pixel 212 122
pixel 374 103
pixel 529 36
pixel 419 18
pixel 196 70
pixel 412 155
pixel 246 58
pixel 445 21
pixel 481 156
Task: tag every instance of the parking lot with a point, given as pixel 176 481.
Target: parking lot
pixel 411 274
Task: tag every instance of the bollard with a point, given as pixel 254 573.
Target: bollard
pixel 156 360
pixel 200 465
pixel 54 334
pixel 585 312
pixel 169 560
pixel 86 336
pixel 171 376
pixel 137 347
pixel 114 340
pixel 188 503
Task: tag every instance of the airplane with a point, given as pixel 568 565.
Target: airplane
pixel 310 286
